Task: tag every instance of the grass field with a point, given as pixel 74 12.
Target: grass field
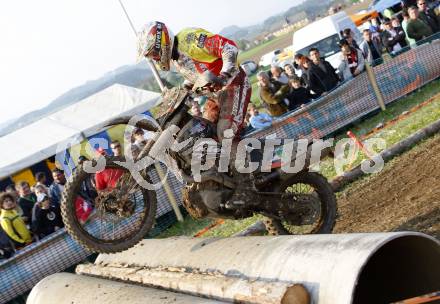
pixel 276 43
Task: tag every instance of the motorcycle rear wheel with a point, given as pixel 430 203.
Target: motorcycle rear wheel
pixel 129 229
pixel 307 182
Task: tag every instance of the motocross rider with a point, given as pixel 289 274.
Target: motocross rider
pixel 196 52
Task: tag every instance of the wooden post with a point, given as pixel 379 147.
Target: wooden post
pixel 209 285
pixel 376 89
pixel 169 192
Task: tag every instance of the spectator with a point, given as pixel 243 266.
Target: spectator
pixel 12 223
pixel 11 189
pixel 305 65
pixel 57 187
pixel 87 189
pixel 272 94
pixel 195 109
pixel 370 48
pixel 349 36
pixel 81 160
pixel 41 190
pixel 41 179
pixel 393 38
pixel 47 217
pixel 298 95
pixel 352 61
pixel 259 120
pixel 290 71
pixel 279 75
pixel 139 138
pixel 405 16
pixel 417 29
pixel 395 22
pixel 107 178
pixel 26 200
pixel 6 247
pixel 408 3
pixel 116 148
pixel 322 75
pixel 428 16
pixel 375 28
pixel 297 64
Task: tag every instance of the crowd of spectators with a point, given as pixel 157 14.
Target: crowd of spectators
pixel 28 213
pixel 309 76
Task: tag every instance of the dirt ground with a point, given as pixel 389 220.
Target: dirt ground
pixel 404 196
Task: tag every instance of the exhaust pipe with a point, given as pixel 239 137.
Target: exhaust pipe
pixel 345 268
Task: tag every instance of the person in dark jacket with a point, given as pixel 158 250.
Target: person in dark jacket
pixel 305 64
pixel 428 16
pixel 57 187
pixel 393 38
pixel 6 245
pixel 322 75
pixel 47 218
pixel 26 200
pixel 416 28
pixel 371 48
pixel 298 95
pixel 348 35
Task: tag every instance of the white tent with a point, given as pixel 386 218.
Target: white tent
pixel 39 140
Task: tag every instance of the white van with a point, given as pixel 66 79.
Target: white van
pixel 324 34
pixel 268 58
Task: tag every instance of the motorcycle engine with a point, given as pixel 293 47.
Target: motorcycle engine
pixel 196 129
pixel 206 198
pixel 203 199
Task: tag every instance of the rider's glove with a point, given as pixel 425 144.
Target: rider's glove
pixel 187 85
pixel 214 82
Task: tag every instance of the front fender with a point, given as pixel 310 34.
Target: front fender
pixel 149 124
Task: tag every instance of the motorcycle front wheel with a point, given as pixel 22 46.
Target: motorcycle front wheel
pixel 116 218
pixel 314 184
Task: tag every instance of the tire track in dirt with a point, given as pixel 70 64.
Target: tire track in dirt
pixel 405 196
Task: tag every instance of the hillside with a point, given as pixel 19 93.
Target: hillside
pixel 310 8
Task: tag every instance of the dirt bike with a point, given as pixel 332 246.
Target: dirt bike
pixel 297 203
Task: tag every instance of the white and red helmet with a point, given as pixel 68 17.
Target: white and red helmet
pixel 155 41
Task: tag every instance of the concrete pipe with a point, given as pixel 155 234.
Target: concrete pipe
pixel 345 268
pixel 66 288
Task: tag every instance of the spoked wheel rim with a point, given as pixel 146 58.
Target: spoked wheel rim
pixel 319 193
pixel 119 217
pixel 312 217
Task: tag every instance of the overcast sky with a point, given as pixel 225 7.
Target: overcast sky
pixel 48 47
